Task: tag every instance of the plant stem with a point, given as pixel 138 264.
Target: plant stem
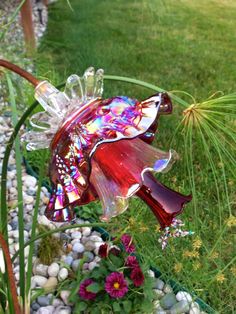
pixel 144 84
pixel 16 305
pixel 18 158
pixel 34 225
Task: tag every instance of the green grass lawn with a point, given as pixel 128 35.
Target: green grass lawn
pixel 178 45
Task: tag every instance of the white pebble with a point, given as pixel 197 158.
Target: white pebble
pixel 9 227
pixel 75 264
pixel 42 220
pixel 78 247
pixel 53 270
pixel 194 308
pixel 15 234
pixel 40 269
pixel 92 265
pixel 183 295
pixel 64 296
pixel 28 199
pixel 57 302
pixel 63 274
pixel 2 262
pixel 151 273
pixel 95 238
pixel 46 310
pixel 30 181
pixel 86 231
pixel 76 235
pixel 39 280
pixel 167 289
pixel 62 310
pixel 17 276
pixel 50 284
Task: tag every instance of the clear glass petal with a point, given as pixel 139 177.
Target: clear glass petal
pixel 40 120
pixel 109 193
pixel 89 82
pixel 98 86
pixel 74 87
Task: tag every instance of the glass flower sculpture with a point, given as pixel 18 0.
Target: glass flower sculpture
pixel 101 149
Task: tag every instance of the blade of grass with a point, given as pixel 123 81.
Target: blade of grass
pixel 144 84
pixel 34 226
pixel 18 158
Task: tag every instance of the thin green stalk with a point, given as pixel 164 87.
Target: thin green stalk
pixel 14 15
pixel 214 140
pixel 144 84
pixel 34 225
pixel 18 158
pixel 212 165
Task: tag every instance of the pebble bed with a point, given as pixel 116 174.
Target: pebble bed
pixel 82 242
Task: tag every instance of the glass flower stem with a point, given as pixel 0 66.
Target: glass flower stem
pixel 12 67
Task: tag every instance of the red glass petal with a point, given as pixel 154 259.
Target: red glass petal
pixel 163 201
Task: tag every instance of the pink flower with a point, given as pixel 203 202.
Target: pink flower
pixel 131 262
pixel 103 250
pixel 116 285
pixel 137 277
pixel 127 241
pixel 84 293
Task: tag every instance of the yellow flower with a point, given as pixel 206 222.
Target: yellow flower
pixel 187 253
pixel 132 221
pixel 143 228
pixel 231 221
pixel 214 255
pixel 233 270
pixel 178 267
pixel 158 228
pixel 196 265
pixel 220 277
pixel 197 243
pixel 195 254
pixel 191 254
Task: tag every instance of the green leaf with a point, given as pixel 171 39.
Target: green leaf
pixel 94 287
pixel 147 306
pixel 117 261
pixel 80 306
pixel 127 306
pixel 116 307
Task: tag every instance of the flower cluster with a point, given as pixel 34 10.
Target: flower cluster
pixel 120 279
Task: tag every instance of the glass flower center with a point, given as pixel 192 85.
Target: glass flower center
pixel 116 285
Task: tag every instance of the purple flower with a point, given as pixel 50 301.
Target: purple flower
pixel 131 262
pixel 127 241
pixel 103 250
pixel 137 277
pixel 116 285
pixel 84 293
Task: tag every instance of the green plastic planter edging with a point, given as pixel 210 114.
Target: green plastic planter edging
pixel 105 235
